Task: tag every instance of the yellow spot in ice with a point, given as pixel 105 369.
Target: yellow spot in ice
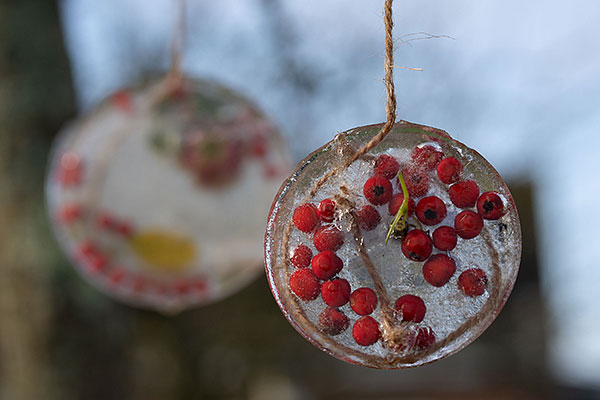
pixel 163 249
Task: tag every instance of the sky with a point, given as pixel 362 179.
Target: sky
pixel 518 81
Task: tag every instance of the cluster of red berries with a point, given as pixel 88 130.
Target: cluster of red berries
pixel 109 222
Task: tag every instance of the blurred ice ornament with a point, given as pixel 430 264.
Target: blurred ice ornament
pixel 380 281
pixel 159 195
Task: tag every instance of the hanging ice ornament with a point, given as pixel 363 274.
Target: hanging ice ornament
pixel 384 282
pixel 159 195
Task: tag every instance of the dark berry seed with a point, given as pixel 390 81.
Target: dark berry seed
pixel 336 292
pixel 438 270
pixel 305 284
pixel 333 322
pixel 473 282
pixel 301 257
pixel 387 166
pixel 431 210
pixel 412 308
pixel 444 238
pixel 378 190
pixel 326 264
pixel 366 331
pixel 328 237
pixel 363 301
pixel 305 217
pixel 368 218
pixel 490 206
pixel 468 224
pixel 464 194
pixel 417 245
pixel 449 170
pixel 326 210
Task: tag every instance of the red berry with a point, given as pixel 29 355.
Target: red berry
pixel 417 245
pixel 417 181
pixel 70 169
pixel 473 282
pixel 431 210
pixel 105 221
pixel 464 194
pixel 449 170
pixel 444 238
pixel 387 166
pixel 333 322
pixel 396 203
pixel 122 100
pixel 301 257
pixel 69 213
pixel 439 269
pixel 378 190
pixel 91 257
pixel 468 224
pixel 368 218
pixel 326 210
pixel 363 301
pixel 412 308
pixel 124 228
pixel 335 293
pixel 326 264
pixel 427 157
pixel 328 237
pixel 365 331
pixel 305 284
pixel 425 337
pixel 305 217
pixel 490 206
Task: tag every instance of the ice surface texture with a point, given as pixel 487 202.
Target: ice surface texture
pixel 456 319
pixel 160 194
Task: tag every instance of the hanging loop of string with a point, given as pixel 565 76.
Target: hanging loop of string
pixel 178 41
pixel 390 107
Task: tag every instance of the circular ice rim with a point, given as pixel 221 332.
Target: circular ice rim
pixel 168 302
pixel 325 342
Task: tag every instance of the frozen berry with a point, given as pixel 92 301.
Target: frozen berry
pixel 305 217
pixel 69 213
pixel 449 170
pixel 431 210
pixel 468 224
pixel 416 180
pixel 427 157
pixel 464 194
pixel 444 238
pixel 328 237
pixel 363 301
pixel 490 206
pixel 417 245
pixel 305 284
pixel 326 210
pixel 378 190
pixel 396 203
pixel 387 166
pixel 439 269
pixel 473 282
pixel 336 292
pixel 365 331
pixel 425 337
pixel 412 308
pixel 368 218
pixel 91 257
pixel 105 221
pixel 70 169
pixel 301 257
pixel 326 264
pixel 333 322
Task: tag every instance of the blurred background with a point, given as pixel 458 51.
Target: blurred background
pixel 518 81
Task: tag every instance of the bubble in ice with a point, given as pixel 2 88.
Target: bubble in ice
pixel 424 310
pixel 159 195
